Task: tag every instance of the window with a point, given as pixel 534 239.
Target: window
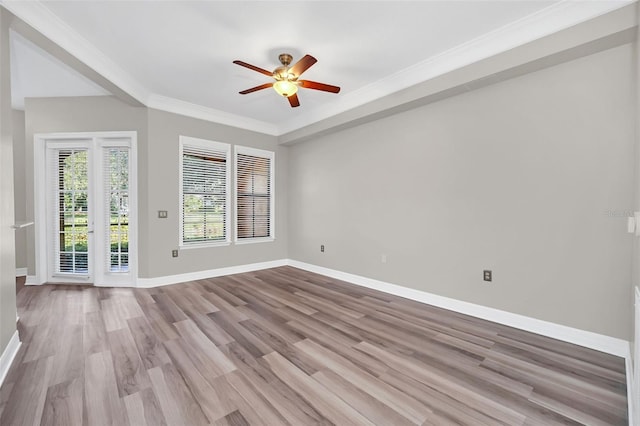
pixel 204 198
pixel 254 194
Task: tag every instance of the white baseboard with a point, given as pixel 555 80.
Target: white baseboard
pixel 631 392
pixel 633 369
pixel 8 355
pixel 21 272
pixel 211 273
pixel 599 342
pixel 32 280
pixel 610 345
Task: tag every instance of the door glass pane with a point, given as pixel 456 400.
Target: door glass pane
pixel 72 190
pixel 116 174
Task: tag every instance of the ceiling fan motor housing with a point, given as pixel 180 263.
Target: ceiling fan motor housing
pixel 285 59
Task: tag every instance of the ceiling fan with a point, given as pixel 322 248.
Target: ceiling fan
pixel 286 78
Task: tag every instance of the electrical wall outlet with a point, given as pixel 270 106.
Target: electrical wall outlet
pixel 322 248
pixel 162 214
pixel 174 253
pixel 383 258
pixel 487 275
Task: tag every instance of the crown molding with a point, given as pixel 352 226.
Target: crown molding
pixel 549 20
pixel 189 109
pixel 554 18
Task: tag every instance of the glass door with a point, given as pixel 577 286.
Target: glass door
pixel 71 215
pixel 89 200
pixel 115 212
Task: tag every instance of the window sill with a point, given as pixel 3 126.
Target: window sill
pixel 255 240
pixel 204 245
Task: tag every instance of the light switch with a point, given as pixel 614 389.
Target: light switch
pixel 162 214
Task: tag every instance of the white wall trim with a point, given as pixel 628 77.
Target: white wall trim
pixel 555 18
pixel 599 342
pixel 210 273
pixel 188 109
pixel 610 345
pixel 633 369
pixel 631 391
pixel 21 272
pixel 8 355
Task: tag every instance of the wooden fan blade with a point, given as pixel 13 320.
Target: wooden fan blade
pixel 307 84
pixel 293 100
pixel 253 67
pixel 302 65
pixel 255 89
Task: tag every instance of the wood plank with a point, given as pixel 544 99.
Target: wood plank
pixel 170 408
pixel 68 358
pixel 131 376
pixel 266 411
pixel 27 400
pixel 323 400
pixel 94 333
pixel 233 419
pixel 150 349
pixel 371 408
pixel 430 376
pixel 113 314
pixel 103 405
pixel 143 408
pixel 210 396
pixel 190 408
pixel 289 347
pixel 204 351
pixel 164 330
pixel 63 404
pixel 401 403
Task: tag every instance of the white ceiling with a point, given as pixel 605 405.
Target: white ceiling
pixel 36 73
pixel 177 55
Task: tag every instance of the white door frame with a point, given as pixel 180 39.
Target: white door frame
pixel 40 200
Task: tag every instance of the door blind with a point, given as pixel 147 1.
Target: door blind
pixel 116 193
pixel 204 193
pixel 69 206
pixel 253 196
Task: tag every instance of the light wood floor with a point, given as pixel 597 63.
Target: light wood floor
pixel 284 346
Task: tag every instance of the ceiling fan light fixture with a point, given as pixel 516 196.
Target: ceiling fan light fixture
pixel 287 79
pixel 285 88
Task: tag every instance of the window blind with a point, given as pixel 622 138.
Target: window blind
pixel 204 193
pixel 254 195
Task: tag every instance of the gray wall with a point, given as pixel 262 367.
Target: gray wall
pixel 531 178
pixel 158 160
pixel 636 248
pixel 81 114
pixel 7 245
pixel 19 176
pixel 163 156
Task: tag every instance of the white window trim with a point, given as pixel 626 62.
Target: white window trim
pixel 272 201
pixel 208 144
